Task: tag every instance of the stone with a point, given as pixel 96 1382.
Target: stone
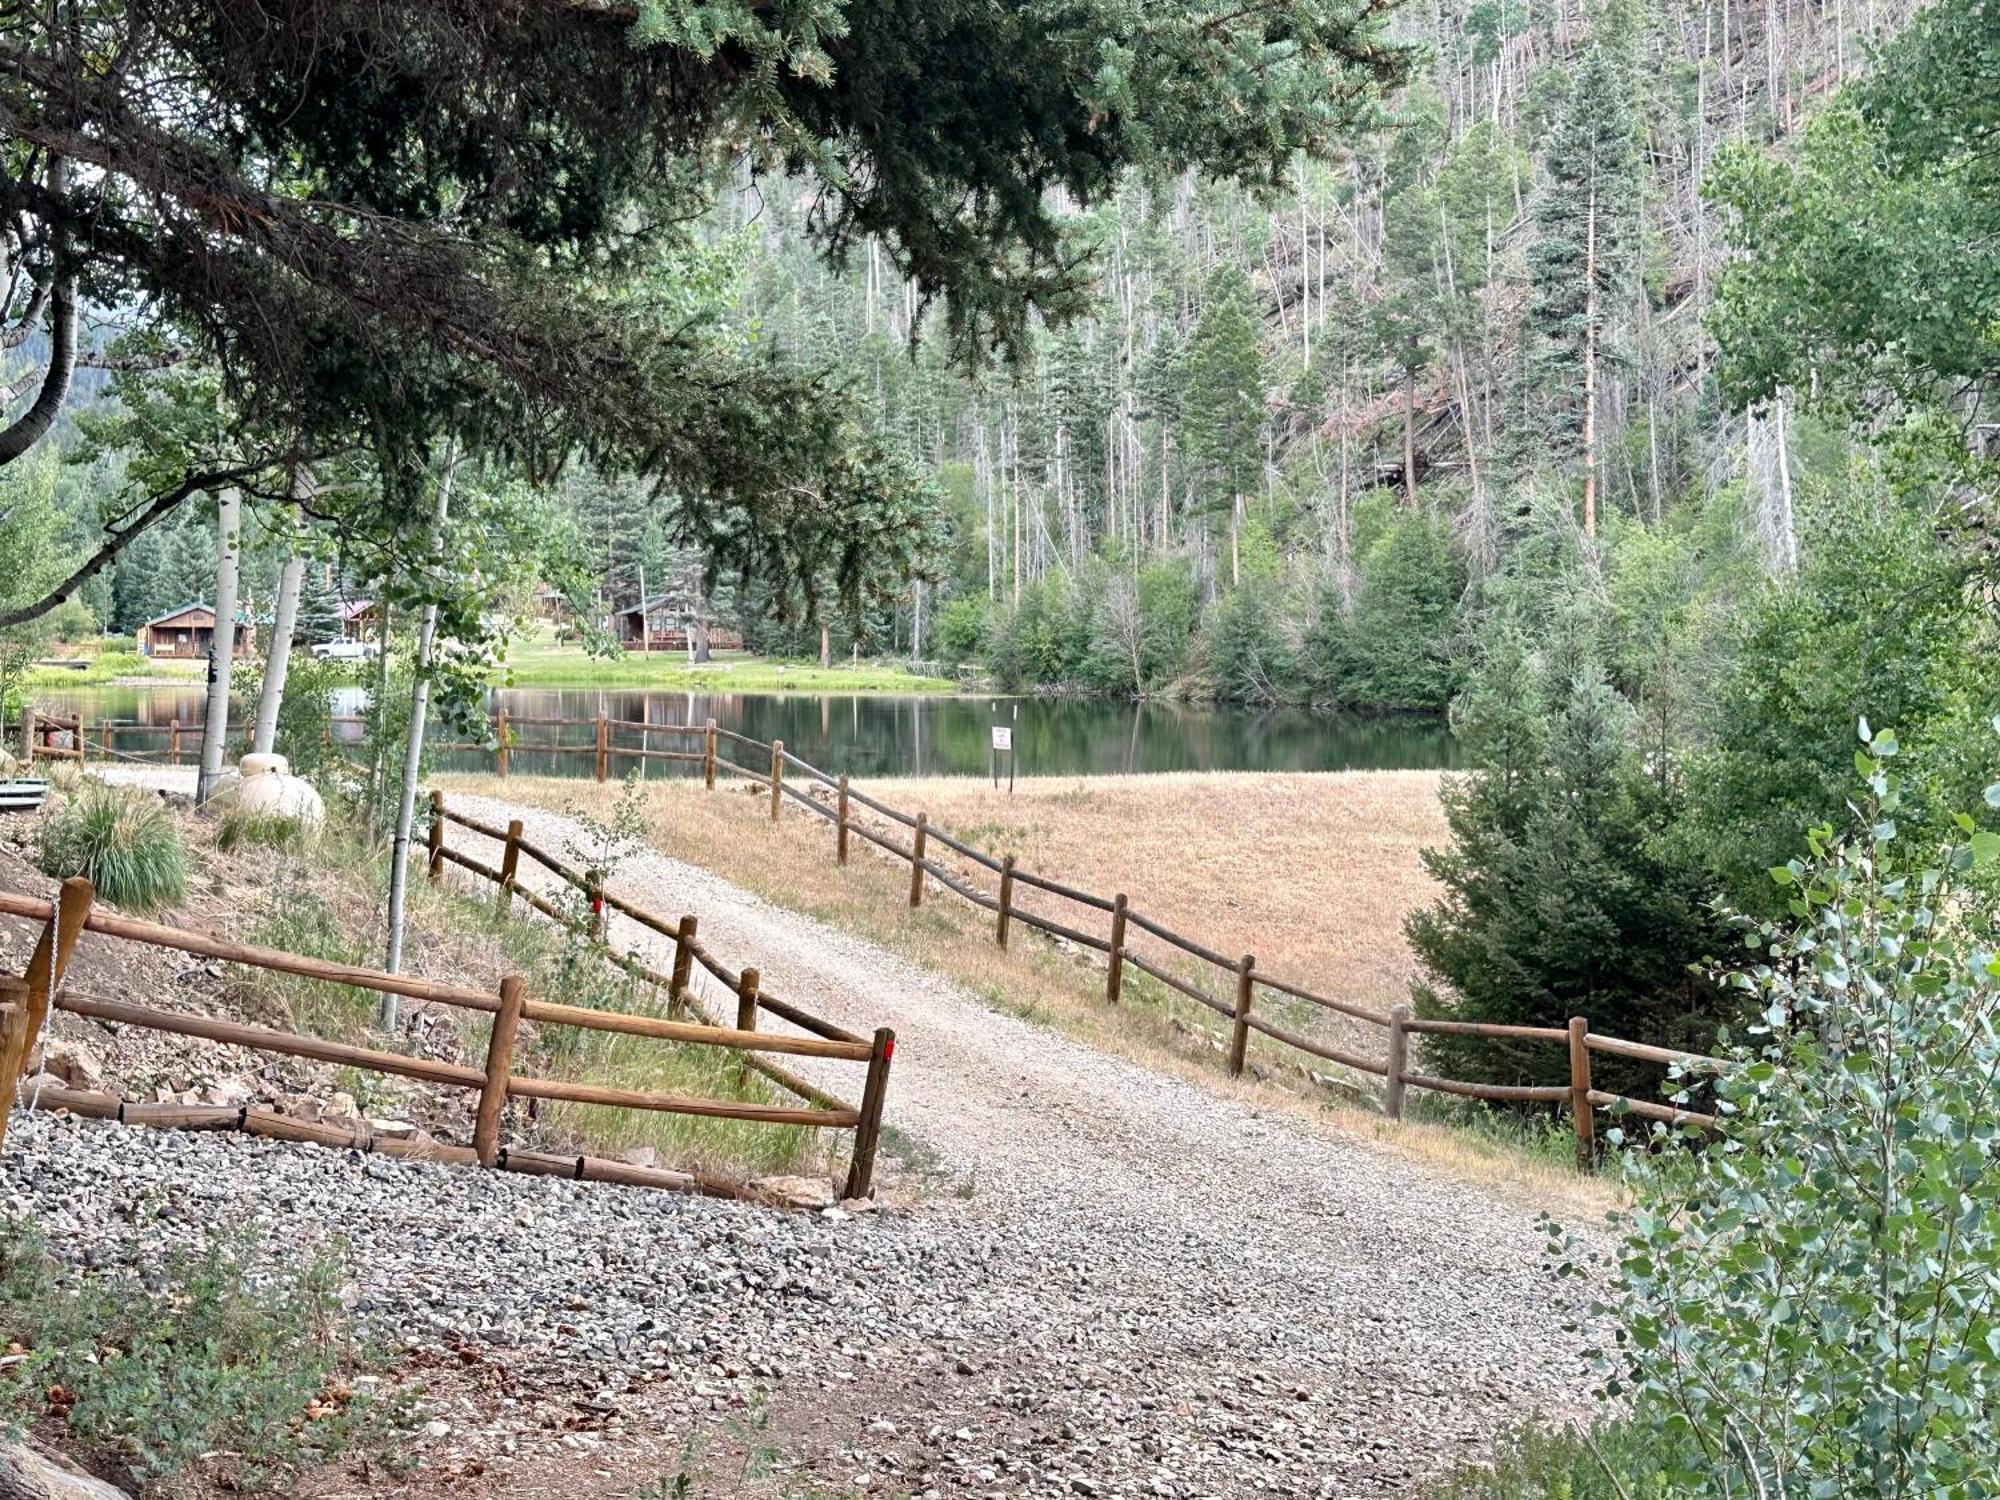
pixel 797 1192
pixel 75 1064
pixel 640 1156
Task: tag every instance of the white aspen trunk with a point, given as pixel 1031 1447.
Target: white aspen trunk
pixel 222 643
pixel 413 755
pixel 278 661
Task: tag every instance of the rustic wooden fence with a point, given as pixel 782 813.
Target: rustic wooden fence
pixel 1231 987
pixel 27 1000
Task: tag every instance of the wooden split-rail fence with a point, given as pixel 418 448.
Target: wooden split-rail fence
pixel 1233 992
pixel 26 1001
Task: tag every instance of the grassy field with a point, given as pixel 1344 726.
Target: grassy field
pixel 1312 873
pixel 545 662
pixel 111 665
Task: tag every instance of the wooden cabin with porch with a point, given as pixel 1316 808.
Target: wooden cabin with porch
pixel 666 622
pixel 188 633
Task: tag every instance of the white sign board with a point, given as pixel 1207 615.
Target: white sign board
pixel 1003 737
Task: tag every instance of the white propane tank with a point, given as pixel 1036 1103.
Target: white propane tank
pixel 269 787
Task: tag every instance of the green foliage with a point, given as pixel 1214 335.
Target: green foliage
pixel 1558 901
pixel 1614 1460
pixel 1869 278
pixel 961 627
pixel 1882 622
pixel 302 736
pixel 124 842
pixel 220 1349
pixel 1806 1306
pixel 1583 262
pixel 1222 414
pixel 1397 650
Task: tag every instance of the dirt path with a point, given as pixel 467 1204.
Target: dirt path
pixel 1295 1311
pixel 1125 1284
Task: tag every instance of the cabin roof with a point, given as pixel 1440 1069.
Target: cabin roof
pixel 190 609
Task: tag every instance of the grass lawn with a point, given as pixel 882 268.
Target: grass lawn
pixel 111 665
pixel 545 662
pixel 1312 873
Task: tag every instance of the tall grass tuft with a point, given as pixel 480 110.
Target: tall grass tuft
pixel 124 843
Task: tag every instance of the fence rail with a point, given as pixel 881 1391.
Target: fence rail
pixel 27 1000
pixel 1244 980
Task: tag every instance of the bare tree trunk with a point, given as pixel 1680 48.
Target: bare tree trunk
pixel 1590 366
pixel 825 646
pixel 1410 437
pixel 701 640
pixel 284 620
pixel 222 644
pixel 413 754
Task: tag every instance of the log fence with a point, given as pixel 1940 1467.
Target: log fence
pixel 26 1001
pixel 1234 995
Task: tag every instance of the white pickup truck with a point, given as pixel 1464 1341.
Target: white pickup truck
pixel 345 650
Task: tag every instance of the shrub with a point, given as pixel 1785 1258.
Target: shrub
pixel 1619 1460
pixel 1810 1302
pixel 241 828
pixel 124 843
pixel 1556 900
pixel 961 626
pixel 216 1349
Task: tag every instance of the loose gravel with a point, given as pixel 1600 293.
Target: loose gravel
pixel 1121 1284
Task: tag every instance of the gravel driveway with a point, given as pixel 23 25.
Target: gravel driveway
pixel 1125 1285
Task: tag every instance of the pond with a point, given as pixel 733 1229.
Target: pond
pixel 868 735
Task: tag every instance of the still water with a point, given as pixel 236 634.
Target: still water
pixel 873 736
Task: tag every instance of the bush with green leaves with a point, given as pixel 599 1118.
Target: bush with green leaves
pixel 220 1349
pixel 124 842
pixel 1813 1303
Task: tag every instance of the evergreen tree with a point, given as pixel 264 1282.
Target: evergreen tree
pixel 1584 260
pixel 1557 901
pixel 1223 406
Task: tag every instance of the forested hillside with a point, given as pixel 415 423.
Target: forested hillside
pixel 1300 432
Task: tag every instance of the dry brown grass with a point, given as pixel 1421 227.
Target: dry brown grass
pixel 1313 873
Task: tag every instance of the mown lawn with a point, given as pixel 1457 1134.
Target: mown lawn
pixel 545 662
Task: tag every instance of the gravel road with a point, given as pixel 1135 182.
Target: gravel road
pixel 1123 1285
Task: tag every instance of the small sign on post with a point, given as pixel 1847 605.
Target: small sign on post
pixel 1003 739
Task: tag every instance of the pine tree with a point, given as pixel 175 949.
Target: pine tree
pixel 1223 408
pixel 1583 263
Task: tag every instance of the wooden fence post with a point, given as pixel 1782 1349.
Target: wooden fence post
pixel 840 823
pixel 1114 976
pixel 683 961
pixel 499 1057
pixel 708 756
pixel 510 865
pixel 174 740
pixel 747 986
pixel 1583 1113
pixel 917 860
pixel 13 1038
pixel 103 738
pixel 603 747
pixel 1399 1062
pixel 1239 1035
pixel 777 776
pixel 500 756
pixel 27 736
pixel 437 835
pixel 593 891
pixel 1006 909
pixel 861 1172
pixel 46 967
